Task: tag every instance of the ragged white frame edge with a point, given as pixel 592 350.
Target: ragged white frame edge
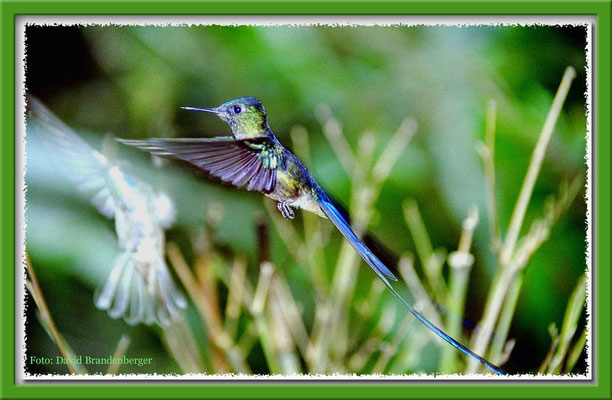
pixel 341 20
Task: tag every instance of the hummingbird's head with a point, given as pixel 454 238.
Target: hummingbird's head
pixel 246 116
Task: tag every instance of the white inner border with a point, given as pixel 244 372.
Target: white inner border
pixel 340 20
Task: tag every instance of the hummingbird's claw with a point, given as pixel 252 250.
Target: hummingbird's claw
pixel 286 210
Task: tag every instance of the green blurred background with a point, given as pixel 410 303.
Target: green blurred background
pixel 130 82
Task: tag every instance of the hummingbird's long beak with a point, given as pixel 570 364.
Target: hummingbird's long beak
pixel 210 110
pixel 220 112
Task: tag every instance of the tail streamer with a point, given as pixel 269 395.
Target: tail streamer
pixel 385 274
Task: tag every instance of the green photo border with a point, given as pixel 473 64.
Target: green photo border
pixel 598 388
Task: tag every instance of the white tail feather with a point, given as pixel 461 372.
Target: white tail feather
pixel 140 293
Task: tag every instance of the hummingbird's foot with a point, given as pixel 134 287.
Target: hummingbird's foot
pixel 285 209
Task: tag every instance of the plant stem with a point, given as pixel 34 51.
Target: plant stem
pixel 505 319
pixel 489 167
pixel 516 221
pixel 419 232
pixel 495 300
pixel 281 332
pixel 313 242
pixel 554 337
pixel 432 265
pixel 460 263
pixel 291 313
pixel 506 272
pixel 333 132
pixel 575 352
pixel 264 329
pixel 416 288
pixel 47 320
pixel 393 150
pixel 234 297
pixel 220 341
pixel 573 311
pixel 181 344
pixel 122 346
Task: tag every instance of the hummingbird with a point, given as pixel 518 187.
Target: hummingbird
pixel 139 287
pixel 253 158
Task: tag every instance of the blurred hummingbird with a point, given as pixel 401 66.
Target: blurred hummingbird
pixel 254 158
pixel 139 287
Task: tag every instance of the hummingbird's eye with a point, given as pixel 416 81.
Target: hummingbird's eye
pixel 237 109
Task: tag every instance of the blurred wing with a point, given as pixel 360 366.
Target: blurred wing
pixel 84 166
pixel 165 211
pixel 251 163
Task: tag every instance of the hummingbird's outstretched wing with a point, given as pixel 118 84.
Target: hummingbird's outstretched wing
pixel 251 162
pixel 87 168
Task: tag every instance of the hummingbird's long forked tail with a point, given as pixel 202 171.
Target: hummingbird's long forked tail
pixel 384 274
pixel 140 293
pixel 344 227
